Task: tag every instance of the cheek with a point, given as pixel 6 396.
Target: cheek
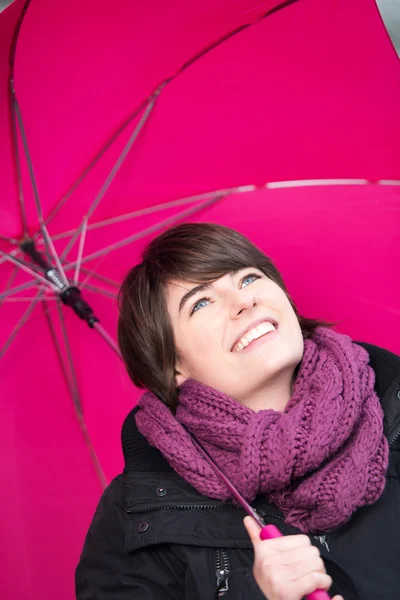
pixel 197 341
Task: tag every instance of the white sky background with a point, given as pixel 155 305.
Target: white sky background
pixel 390 11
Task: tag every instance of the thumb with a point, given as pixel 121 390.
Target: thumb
pixel 253 529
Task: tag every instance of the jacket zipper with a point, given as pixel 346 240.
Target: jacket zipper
pixel 131 510
pixel 397 434
pixel 222 566
pixel 222 569
pixel 322 540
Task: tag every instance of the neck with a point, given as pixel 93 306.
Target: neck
pixel 274 395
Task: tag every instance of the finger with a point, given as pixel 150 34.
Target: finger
pixel 253 529
pixel 296 555
pixel 311 582
pixel 299 569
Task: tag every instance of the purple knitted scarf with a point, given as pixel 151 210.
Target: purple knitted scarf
pixel 318 461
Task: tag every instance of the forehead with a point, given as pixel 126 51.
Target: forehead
pixel 180 286
pixel 177 288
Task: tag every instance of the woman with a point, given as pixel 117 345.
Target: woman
pixel 302 420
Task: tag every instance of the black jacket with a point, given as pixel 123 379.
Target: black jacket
pixel 154 536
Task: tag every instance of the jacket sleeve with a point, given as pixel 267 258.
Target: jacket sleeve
pixel 106 572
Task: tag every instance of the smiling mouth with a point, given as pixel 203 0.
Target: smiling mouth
pixel 263 329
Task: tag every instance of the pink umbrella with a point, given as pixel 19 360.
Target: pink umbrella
pixel 279 119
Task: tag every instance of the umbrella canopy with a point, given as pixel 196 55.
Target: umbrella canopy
pixel 279 119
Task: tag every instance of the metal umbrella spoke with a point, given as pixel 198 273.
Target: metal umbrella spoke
pixel 27 264
pixel 51 251
pixel 12 253
pixel 108 339
pixel 71 366
pixel 132 138
pixel 69 373
pixel 5 238
pixel 24 299
pixel 148 99
pixel 91 273
pixel 80 250
pixel 17 289
pixel 152 209
pixel 28 270
pixel 21 323
pixel 32 178
pixel 17 161
pixel 98 290
pixel 102 278
pixel 93 163
pixel 9 282
pixel 147 231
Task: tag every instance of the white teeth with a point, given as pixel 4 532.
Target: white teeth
pixel 254 334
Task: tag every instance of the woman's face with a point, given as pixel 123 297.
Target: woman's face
pixel 222 333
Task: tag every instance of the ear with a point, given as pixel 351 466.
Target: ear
pixel 180 376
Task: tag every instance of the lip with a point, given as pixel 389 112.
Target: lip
pixel 254 324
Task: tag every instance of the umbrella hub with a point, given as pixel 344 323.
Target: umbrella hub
pixel 70 295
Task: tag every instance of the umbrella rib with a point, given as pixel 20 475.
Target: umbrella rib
pixel 95 160
pixel 72 386
pixel 16 290
pixel 131 117
pixel 17 262
pixel 47 239
pixel 24 299
pixel 150 210
pixel 53 252
pixel 80 249
pixel 13 253
pixel 107 338
pixel 21 323
pixel 91 273
pixel 5 238
pixel 153 209
pixel 17 161
pixel 27 264
pixel 76 398
pixel 147 231
pixel 132 138
pixel 9 282
pixel 102 278
pixel 94 288
pixel 227 191
pixel 283 4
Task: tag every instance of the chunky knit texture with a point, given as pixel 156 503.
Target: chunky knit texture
pixel 318 461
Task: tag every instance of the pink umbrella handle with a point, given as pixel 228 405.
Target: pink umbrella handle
pixel 269 532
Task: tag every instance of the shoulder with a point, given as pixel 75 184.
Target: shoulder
pixel 386 366
pixel 138 453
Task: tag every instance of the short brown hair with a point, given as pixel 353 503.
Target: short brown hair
pixel 195 252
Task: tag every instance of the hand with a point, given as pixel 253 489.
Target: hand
pixel 288 567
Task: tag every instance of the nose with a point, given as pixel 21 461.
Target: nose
pixel 241 301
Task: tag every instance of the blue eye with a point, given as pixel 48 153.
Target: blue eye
pixel 198 306
pixel 250 276
pixel 201 303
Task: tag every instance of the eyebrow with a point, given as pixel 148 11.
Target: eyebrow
pixel 202 287
pixel 193 292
